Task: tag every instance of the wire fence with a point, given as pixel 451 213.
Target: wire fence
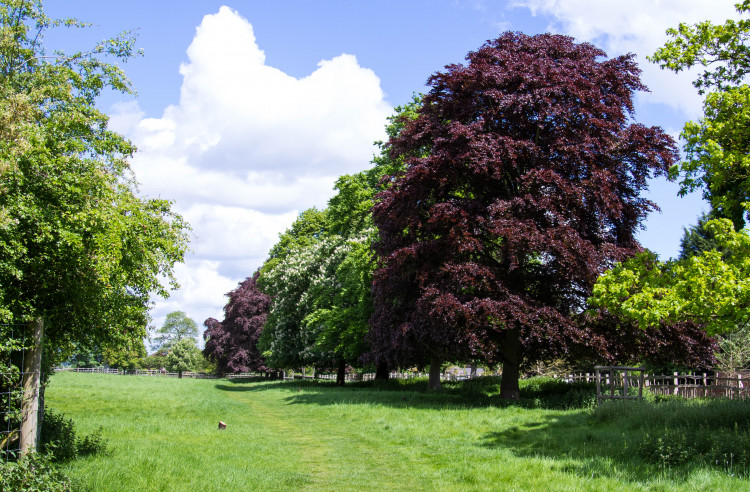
pixel 14 399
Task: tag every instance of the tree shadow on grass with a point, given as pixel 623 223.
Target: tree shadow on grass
pixel 575 445
pixel 304 392
pixel 588 447
pixel 477 393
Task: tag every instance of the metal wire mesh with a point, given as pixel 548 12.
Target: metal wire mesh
pixel 14 339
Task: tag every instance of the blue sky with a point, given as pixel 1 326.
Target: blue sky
pixel 247 111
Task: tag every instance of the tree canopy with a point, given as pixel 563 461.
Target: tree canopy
pixel 233 343
pixel 710 288
pixel 709 285
pixel 184 355
pixel 319 274
pixel 522 184
pixel 78 245
pixel 177 326
pixel 717 145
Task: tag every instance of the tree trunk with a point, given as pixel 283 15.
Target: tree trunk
pixel 179 374
pixel 434 381
pixel 381 372
pixel 341 373
pixel 32 368
pixel 511 361
pixel 473 373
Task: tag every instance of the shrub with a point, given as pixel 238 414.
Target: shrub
pixel 59 437
pixel 35 473
pixel 92 444
pixel 552 393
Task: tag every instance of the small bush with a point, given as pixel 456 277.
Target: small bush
pixel 552 393
pixel 59 437
pixel 34 473
pixel 92 444
pixel 668 448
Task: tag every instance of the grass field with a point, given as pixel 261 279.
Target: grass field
pixel 295 435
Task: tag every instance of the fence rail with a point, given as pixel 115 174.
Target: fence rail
pixel 690 385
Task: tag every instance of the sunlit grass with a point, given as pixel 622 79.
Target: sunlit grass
pixel 314 436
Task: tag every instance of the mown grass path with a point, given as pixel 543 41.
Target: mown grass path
pixel 297 436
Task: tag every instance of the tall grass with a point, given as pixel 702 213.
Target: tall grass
pixel 295 435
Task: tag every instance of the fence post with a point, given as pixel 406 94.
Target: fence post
pixel 32 364
pixel 676 384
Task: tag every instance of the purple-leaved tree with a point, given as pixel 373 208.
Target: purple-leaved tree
pixel 233 343
pixel 523 180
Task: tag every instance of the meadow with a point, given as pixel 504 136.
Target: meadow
pixel 311 435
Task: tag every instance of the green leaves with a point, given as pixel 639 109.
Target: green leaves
pixel 705 288
pixel 77 243
pixel 712 286
pixel 720 49
pixel 184 356
pixel 716 146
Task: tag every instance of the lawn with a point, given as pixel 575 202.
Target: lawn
pixel 296 435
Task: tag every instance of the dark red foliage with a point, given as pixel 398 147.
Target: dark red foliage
pixel 522 184
pixel 614 341
pixel 233 343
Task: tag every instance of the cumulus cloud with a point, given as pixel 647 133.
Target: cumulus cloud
pixel 246 149
pixel 636 26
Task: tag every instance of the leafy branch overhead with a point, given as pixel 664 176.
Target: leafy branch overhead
pixel 708 285
pixel 706 288
pixel 78 245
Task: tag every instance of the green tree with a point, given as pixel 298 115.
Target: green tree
pixel 127 358
pixel 717 145
pixel 719 49
pixel 709 283
pixel 286 341
pixel 184 356
pixel 705 288
pixel 697 238
pixel 177 326
pixel 734 351
pixel 78 246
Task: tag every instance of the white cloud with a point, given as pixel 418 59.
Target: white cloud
pixel 246 149
pixel 636 26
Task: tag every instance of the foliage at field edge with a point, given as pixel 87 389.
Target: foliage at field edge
pixel 710 288
pixel 78 246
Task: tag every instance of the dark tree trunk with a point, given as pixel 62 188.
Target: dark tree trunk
pixel 434 381
pixel 511 361
pixel 179 374
pixel 341 373
pixel 381 372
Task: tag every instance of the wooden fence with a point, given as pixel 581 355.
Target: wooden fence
pixel 139 372
pixel 691 385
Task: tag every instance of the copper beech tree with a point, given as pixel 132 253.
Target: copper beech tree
pixel 233 343
pixel 523 180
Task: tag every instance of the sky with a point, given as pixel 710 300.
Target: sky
pixel 248 111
